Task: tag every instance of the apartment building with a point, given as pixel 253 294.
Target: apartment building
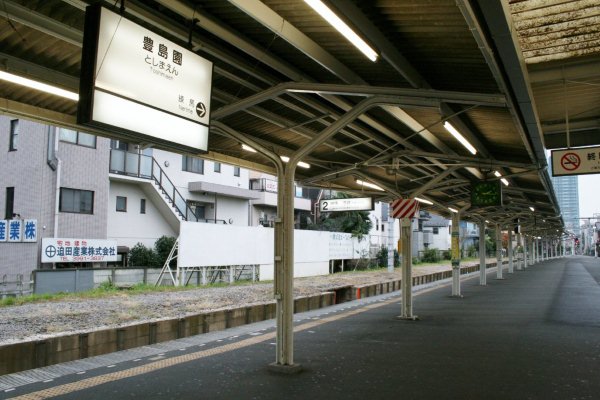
pixel 74 185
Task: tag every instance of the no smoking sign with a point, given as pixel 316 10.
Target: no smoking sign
pixel 570 161
pixel 576 161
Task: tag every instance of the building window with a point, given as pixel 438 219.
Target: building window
pixel 436 230
pixel 122 203
pixel 76 201
pixel 236 171
pixel 193 164
pixel 10 203
pixel 142 206
pixel 118 145
pixel 78 138
pixel 217 166
pixel 14 135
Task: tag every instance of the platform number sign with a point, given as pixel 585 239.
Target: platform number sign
pixel 350 204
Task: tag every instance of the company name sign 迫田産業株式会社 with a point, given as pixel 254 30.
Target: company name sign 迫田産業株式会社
pixel 67 250
pixel 138 85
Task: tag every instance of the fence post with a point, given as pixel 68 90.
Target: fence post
pixel 20 284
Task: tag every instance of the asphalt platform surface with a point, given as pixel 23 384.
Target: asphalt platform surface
pixel 533 335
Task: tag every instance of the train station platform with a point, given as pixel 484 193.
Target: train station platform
pixel 533 335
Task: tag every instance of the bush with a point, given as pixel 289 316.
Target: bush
pixel 382 257
pixel 141 256
pixel 162 248
pixel 471 251
pixel 431 255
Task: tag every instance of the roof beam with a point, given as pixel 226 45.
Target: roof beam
pixel 417 97
pixel 37 72
pixel 42 23
pixel 266 17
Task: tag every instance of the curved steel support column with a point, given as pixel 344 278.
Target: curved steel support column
pixel 498 252
pixel 406 284
pixel 455 246
pixel 520 252
pixel 284 280
pixel 482 263
pixel 511 266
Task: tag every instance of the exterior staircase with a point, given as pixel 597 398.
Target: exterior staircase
pixel 146 167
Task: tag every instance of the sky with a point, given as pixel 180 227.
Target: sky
pixel 589 195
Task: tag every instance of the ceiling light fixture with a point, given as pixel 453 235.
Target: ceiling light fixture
pixel 19 80
pixel 248 148
pixel 369 185
pixel 498 174
pixel 454 210
pixel 300 163
pixel 532 209
pixel 424 201
pixel 342 28
pixel 460 137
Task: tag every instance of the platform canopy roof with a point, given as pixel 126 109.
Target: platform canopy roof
pixel 512 77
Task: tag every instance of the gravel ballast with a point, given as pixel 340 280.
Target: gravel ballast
pixel 35 321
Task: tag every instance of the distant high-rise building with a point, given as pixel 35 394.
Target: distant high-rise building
pixel 567 194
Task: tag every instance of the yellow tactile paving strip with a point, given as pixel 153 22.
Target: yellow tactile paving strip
pixel 168 362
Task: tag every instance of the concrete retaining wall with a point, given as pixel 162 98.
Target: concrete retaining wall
pixel 35 354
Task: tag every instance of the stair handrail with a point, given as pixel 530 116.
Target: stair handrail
pixel 158 175
pixel 185 214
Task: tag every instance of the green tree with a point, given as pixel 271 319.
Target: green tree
pixel 162 248
pixel 142 256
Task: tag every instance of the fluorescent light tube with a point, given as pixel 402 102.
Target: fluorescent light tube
pixel 532 209
pixel 300 163
pixel 460 137
pixel 369 185
pixel 498 174
pixel 248 148
pixel 453 209
pixel 342 28
pixel 424 201
pixel 19 80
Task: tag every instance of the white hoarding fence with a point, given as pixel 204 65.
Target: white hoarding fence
pixel 68 250
pixel 209 245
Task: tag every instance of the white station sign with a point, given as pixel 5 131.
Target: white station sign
pixel 351 204
pixel 137 82
pixel 580 161
pixel 67 250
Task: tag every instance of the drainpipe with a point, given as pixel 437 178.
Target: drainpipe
pixel 57 188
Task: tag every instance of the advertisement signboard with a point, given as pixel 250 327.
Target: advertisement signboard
pixel 67 250
pixel 141 85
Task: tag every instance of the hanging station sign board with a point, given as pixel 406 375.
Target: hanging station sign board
pixel 579 161
pixel 141 86
pixel 350 204
pixel 486 193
